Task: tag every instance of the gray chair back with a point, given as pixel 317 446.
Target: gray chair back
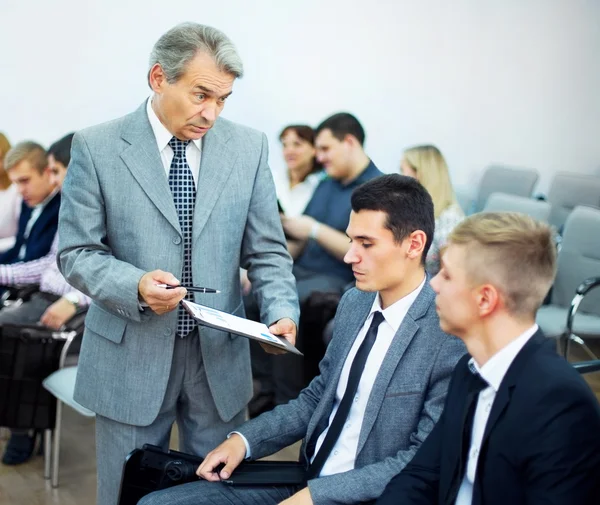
pixel 579 259
pixel 503 202
pixel 501 179
pixel 569 190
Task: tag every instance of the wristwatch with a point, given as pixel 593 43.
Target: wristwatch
pixel 72 298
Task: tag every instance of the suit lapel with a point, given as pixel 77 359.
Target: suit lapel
pixel 510 380
pixel 143 161
pixel 217 162
pixel 407 330
pixel 346 331
pixel 49 211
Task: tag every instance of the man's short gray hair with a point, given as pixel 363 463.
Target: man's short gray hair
pixel 28 150
pixel 174 50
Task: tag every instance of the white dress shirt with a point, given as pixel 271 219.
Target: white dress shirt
pixel 343 454
pixel 493 373
pixel 294 200
pixel 193 150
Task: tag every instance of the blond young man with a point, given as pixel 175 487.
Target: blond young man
pixel 519 425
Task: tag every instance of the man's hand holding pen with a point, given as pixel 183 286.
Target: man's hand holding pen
pixel 159 299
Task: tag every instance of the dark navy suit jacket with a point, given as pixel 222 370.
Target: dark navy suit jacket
pixel 41 235
pixel 541 443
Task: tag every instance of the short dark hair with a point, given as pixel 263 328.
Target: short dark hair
pixel 343 124
pixel 406 202
pixel 61 149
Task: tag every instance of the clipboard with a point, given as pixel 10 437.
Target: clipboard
pixel 219 320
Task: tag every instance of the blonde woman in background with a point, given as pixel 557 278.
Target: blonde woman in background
pixel 10 202
pixel 426 164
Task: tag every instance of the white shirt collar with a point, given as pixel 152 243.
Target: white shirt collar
pixel 496 367
pixel 394 314
pixel 41 205
pixel 161 134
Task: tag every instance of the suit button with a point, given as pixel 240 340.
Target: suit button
pixel 177 240
pixel 168 331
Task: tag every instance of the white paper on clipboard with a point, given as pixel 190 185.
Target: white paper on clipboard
pixel 220 320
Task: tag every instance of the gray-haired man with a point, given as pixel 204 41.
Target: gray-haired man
pixel 171 194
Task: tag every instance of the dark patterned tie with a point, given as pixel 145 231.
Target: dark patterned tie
pixel 356 370
pixel 183 189
pixel 476 385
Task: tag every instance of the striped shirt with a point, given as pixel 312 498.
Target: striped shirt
pixel 43 271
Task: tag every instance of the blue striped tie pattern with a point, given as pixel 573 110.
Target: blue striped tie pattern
pixel 183 190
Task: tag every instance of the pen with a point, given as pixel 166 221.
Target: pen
pixel 189 288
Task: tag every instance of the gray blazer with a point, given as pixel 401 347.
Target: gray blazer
pixel 118 221
pixel 405 403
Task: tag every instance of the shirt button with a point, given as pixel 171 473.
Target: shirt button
pixel 356 398
pixel 335 453
pixel 177 240
pixel 167 332
pixel 348 425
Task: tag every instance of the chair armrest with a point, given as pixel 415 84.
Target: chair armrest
pixel 583 289
pixel 18 294
pixel 587 366
pixel 588 285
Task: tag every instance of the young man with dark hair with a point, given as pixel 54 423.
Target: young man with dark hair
pixel 383 379
pixel 318 239
pixel 520 426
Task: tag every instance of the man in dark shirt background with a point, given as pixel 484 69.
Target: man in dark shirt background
pixel 317 239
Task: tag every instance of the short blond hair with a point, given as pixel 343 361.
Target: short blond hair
pixel 30 151
pixel 511 251
pixel 432 172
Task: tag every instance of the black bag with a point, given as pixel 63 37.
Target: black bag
pixel 150 469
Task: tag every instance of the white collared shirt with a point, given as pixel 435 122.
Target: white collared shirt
pixel 343 454
pixel 193 150
pixel 493 373
pixel 35 214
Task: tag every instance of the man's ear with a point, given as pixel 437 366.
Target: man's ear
pixel 416 244
pixel 350 140
pixel 488 299
pixel 157 78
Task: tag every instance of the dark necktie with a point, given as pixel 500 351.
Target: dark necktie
pixel 356 370
pixel 476 385
pixel 183 189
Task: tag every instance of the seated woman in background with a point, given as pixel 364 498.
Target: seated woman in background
pixel 427 165
pixel 296 187
pixel 10 202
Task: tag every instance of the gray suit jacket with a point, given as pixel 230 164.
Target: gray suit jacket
pixel 405 403
pixel 118 221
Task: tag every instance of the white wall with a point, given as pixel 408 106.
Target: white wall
pixel 512 81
